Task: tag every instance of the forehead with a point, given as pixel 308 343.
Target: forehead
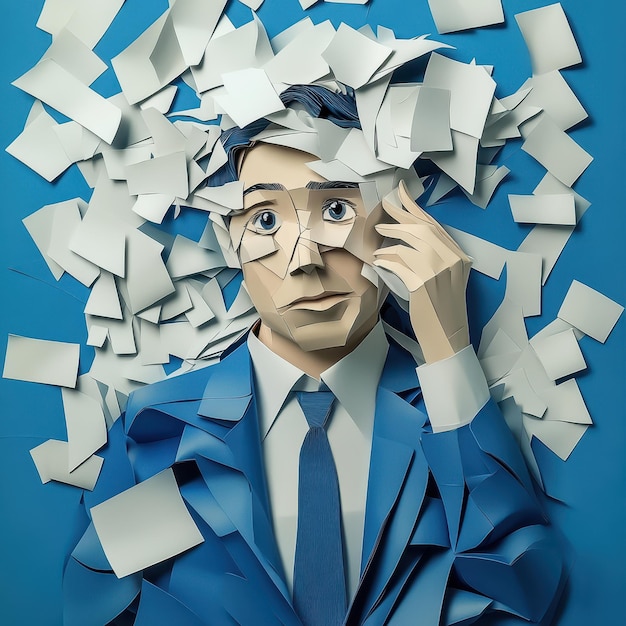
pixel 267 163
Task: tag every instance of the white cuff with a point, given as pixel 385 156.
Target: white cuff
pixel 454 390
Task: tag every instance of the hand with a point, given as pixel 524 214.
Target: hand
pixel 434 270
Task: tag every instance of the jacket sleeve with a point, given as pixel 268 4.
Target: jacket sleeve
pixel 507 558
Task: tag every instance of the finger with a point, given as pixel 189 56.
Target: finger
pixel 417 236
pixel 399 215
pixel 410 205
pixel 425 264
pixel 416 211
pixel 410 280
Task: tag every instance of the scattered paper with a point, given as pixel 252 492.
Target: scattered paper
pixel 544 209
pixel 145 525
pixel 52 461
pixel 39 146
pixel 549 38
pixel 559 354
pixel 455 15
pixel 590 311
pixel 523 281
pixel 557 151
pixel 353 57
pixel 41 361
pixel 55 86
pixel 471 92
pixel 249 96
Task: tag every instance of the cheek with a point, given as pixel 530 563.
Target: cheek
pixel 349 267
pixel 331 235
pixel 261 284
pixel 364 239
pixel 254 248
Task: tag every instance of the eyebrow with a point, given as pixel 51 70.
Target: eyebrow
pixel 265 187
pixel 312 185
pixel 331 184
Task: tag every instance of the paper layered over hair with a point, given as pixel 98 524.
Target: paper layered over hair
pixel 154 296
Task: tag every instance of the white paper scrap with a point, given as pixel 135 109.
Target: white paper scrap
pixel 39 147
pixel 549 38
pixel 165 175
pixel 354 153
pixel 557 151
pixel 55 86
pixel 551 185
pixel 590 311
pixel 104 300
pixel 67 219
pixel 97 335
pixel 144 260
pixel 41 361
pixel 560 437
pixel 544 209
pixel 431 121
pixel 471 92
pixel 86 427
pixel 454 15
pixel 187 258
pixel 101 239
pixel 145 525
pixel 488 177
pixel 51 460
pixel 559 354
pixel 92 18
pixel 566 404
pixel 523 281
pixel 55 14
pixel 250 96
pixel 300 61
pixel 194 22
pixel 39 226
pixel 551 92
pixel 487 257
pixel 73 55
pixel 460 163
pixel 353 57
pixel 133 68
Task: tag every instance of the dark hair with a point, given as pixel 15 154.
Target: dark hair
pixel 318 101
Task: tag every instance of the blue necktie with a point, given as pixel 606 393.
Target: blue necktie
pixel 319 585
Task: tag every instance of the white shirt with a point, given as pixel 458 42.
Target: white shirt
pixel 454 391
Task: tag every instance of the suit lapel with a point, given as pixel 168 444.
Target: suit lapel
pixel 237 479
pixel 398 477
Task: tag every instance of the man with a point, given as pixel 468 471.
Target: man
pixel 436 521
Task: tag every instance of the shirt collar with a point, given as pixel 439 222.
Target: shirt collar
pixel 353 380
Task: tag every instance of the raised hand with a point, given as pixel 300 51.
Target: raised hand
pixel 434 270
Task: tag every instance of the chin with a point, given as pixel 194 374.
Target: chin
pixel 334 328
pixel 321 336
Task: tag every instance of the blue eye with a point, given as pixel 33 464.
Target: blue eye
pixel 337 211
pixel 266 222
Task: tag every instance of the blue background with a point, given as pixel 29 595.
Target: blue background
pixel 36 520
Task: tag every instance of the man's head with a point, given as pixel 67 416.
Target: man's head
pixel 302 242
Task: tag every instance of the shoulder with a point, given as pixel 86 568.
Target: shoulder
pixel 222 379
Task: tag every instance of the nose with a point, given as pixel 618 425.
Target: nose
pixel 306 257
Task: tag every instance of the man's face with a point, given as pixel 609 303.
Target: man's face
pixel 302 242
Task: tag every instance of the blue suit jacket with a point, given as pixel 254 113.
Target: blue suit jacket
pixel 453 532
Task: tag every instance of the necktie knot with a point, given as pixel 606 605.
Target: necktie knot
pixel 316 406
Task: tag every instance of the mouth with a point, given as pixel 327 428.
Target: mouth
pixel 319 302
